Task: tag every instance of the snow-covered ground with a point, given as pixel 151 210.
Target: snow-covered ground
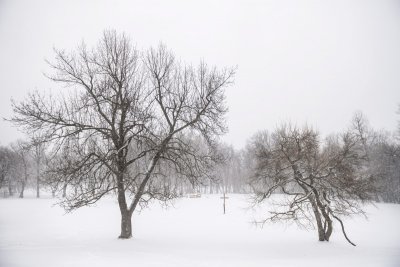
pixel 194 232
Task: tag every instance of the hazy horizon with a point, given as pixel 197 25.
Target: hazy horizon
pixel 315 62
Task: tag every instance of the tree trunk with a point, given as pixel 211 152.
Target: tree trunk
pixel 2 180
pixel 64 192
pixel 21 194
pixel 328 232
pixel 37 189
pixel 324 209
pixel 126 216
pixel 317 214
pixel 37 185
pixel 10 190
pixel 321 232
pixel 320 228
pixel 126 225
pixel 324 231
pixel 126 213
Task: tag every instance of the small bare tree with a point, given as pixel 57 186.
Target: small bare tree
pixel 320 183
pixel 10 169
pixel 125 107
pixel 4 164
pixel 7 161
pixel 37 148
pixel 229 173
pixel 22 152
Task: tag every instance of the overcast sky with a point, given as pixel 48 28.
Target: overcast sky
pixel 314 62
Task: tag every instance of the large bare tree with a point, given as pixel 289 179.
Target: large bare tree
pixel 318 182
pixel 123 107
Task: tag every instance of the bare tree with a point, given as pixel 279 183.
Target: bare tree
pixel 125 107
pixel 398 122
pixel 10 169
pixel 230 172
pixel 22 151
pixel 7 159
pixel 385 164
pixel 382 159
pixel 37 147
pixel 4 165
pixel 319 184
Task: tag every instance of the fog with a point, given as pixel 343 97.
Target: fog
pixel 314 62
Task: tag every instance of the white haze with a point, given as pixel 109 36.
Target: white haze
pixel 305 61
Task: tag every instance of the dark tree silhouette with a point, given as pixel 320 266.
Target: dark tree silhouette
pixel 319 183
pixel 124 107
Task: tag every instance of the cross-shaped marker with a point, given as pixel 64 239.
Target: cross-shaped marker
pixel 224 198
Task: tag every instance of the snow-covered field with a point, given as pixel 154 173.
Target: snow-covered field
pixel 194 232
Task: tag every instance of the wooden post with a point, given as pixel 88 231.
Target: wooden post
pixel 224 205
pixel 224 202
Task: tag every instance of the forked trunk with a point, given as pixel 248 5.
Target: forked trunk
pixel 324 211
pixel 317 215
pixel 126 213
